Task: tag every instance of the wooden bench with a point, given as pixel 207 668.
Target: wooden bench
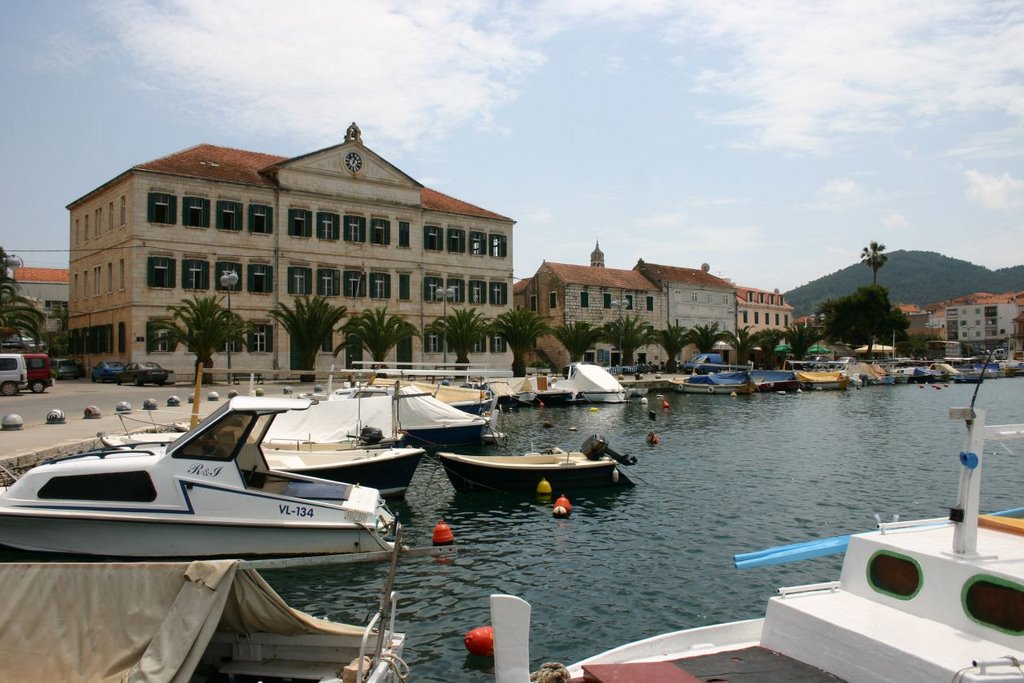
pixel 236 377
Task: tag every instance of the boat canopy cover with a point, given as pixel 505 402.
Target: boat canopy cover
pixel 134 621
pixel 586 377
pixel 719 378
pixel 772 375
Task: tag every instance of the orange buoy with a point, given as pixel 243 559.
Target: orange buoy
pixel 540 403
pixel 664 404
pixel 443 534
pixel 653 439
pixel 480 641
pixel 562 507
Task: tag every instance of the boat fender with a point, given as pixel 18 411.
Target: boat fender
pixel 968 459
pixel 653 439
pixel 480 641
pixel 443 534
pixel 562 507
pixel 711 390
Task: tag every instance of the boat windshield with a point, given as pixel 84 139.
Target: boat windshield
pixel 221 440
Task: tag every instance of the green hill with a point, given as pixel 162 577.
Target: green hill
pixel 912 277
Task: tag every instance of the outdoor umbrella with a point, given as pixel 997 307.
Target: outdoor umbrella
pixel 818 348
pixel 783 348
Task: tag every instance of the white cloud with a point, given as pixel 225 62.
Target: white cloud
pixel 841 187
pixel 540 215
pixel 661 221
pixel 895 220
pixel 995 192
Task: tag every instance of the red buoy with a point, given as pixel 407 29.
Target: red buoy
pixel 562 507
pixel 653 439
pixel 664 404
pixel 443 534
pixel 480 641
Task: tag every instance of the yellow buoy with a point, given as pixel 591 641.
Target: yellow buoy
pixel 593 409
pixel 543 487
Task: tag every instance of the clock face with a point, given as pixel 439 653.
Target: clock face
pixel 353 162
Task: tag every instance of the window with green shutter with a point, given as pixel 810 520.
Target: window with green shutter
pixel 380 231
pixel 300 223
pixel 477 243
pixel 327 225
pixel 328 281
pixel 261 338
pixel 403 233
pixel 195 274
pixel 430 286
pixel 300 280
pixel 433 238
pixel 456 241
pixel 459 287
pixel 355 229
pixel 584 299
pixel 162 208
pixel 403 287
pixel 499 246
pixel 261 278
pixel 160 272
pixel 607 299
pixel 261 219
pixel 354 283
pixel 499 293
pixel 229 215
pixel 650 303
pixel 380 285
pixel 195 212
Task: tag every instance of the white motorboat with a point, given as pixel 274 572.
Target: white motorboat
pixel 209 493
pixel 596 384
pixel 927 600
pixel 207 620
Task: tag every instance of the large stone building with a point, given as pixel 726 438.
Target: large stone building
pixel 759 309
pixel 693 297
pixel 48 288
pixel 340 222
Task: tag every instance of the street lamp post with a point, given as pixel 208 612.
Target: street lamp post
pixel 443 294
pixel 228 280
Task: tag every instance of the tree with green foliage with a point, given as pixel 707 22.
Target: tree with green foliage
pixel 801 337
pixel 768 339
pixel 704 337
pixel 873 258
pixel 378 332
pixel 628 334
pixel 578 337
pixel 202 325
pixel 859 318
pixel 743 342
pixel 520 328
pixel 18 314
pixel 673 339
pixel 462 329
pixel 308 324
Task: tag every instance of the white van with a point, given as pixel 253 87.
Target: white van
pixel 13 373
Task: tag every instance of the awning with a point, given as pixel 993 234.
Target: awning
pixel 876 347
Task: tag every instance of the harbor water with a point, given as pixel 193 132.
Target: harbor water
pixel 730 475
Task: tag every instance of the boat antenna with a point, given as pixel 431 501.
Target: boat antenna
pixel 981 378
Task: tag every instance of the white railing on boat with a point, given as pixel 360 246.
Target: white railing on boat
pixel 829 586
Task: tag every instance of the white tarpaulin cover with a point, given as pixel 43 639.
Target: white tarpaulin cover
pixel 133 621
pixel 585 377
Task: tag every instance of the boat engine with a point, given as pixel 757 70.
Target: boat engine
pixel 596 446
pixel 370 436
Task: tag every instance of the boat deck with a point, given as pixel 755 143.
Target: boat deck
pixel 749 665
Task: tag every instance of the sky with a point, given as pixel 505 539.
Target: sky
pixel 772 140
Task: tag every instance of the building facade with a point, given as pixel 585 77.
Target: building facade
pixel 983 322
pixel 341 222
pixel 759 309
pixel 692 297
pixel 48 288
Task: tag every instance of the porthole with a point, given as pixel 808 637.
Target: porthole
pixel 995 602
pixel 895 575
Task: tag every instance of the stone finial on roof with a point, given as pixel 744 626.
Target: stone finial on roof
pixel 597 256
pixel 353 134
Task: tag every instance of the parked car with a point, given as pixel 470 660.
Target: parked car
pixel 106 370
pixel 66 368
pixel 138 374
pixel 13 374
pixel 37 366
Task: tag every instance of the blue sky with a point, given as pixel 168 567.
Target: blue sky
pixel 772 140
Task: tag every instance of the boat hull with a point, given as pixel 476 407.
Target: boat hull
pixel 458 435
pixel 390 470
pixel 723 389
pixel 604 396
pixel 79 534
pixel 468 473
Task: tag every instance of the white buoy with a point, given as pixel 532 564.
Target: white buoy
pixel 55 417
pixel 643 400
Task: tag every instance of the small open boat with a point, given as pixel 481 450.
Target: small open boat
pixel 724 383
pixel 595 464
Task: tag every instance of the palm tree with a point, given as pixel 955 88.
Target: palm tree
pixel 704 337
pixel 578 337
pixel 462 330
pixel 202 325
pixel 743 342
pixel 801 337
pixel 520 328
pixel 308 324
pixel 18 314
pixel 379 332
pixel 768 339
pixel 673 339
pixel 628 334
pixel 873 258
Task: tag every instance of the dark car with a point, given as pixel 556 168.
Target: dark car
pixel 142 373
pixel 106 370
pixel 66 368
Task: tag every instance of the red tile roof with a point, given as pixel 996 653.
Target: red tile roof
pixel 521 285
pixel 225 164
pixel 686 275
pixel 41 274
pixel 599 277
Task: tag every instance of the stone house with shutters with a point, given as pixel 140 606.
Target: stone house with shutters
pixel 563 293
pixel 341 222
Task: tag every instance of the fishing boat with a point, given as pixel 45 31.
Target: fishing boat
pixel 822 380
pixel 927 600
pixel 209 620
pixel 724 383
pixel 774 380
pixel 595 464
pixel 209 493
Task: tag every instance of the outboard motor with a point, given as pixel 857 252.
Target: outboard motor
pixel 370 436
pixel 594 447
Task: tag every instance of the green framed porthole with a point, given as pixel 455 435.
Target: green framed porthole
pixel 994 602
pixel 896 575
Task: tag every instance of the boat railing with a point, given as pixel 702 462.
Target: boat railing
pixel 829 586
